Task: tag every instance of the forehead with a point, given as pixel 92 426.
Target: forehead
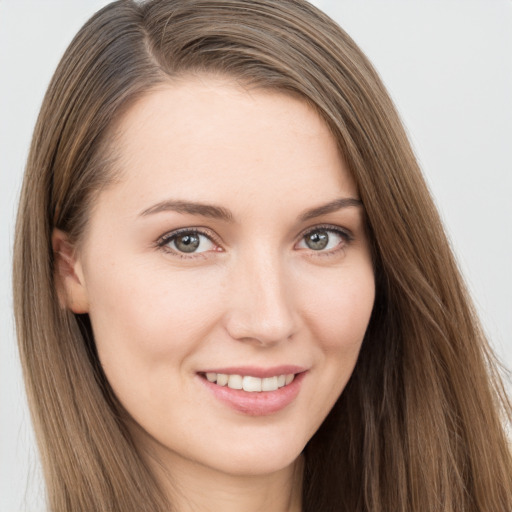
pixel 210 139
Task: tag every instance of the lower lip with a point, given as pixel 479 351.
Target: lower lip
pixel 259 403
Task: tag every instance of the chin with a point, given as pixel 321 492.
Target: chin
pixel 259 459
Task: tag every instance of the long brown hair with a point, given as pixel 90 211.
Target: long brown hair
pixel 420 425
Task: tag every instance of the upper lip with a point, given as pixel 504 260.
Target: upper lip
pixel 256 371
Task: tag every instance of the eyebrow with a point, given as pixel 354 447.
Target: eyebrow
pixel 218 212
pixel 192 208
pixel 333 206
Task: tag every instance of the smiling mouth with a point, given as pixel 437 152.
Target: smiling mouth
pixel 248 382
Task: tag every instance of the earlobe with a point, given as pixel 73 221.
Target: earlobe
pixel 68 274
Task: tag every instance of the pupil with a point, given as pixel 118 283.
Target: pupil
pixel 187 243
pixel 317 240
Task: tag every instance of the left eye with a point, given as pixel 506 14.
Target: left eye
pixel 321 240
pixel 189 242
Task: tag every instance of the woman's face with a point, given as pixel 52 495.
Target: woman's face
pixel 231 249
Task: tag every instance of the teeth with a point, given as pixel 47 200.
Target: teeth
pixel 222 379
pixel 250 383
pixel 269 384
pixel 235 382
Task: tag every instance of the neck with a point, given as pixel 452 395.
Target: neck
pixel 191 487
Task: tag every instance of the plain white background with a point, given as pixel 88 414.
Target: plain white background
pixel 448 67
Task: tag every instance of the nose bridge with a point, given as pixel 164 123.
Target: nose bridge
pixel 261 306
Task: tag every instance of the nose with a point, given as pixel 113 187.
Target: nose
pixel 260 299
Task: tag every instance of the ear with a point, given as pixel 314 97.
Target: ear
pixel 68 274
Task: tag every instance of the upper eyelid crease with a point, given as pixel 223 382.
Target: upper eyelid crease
pixel 327 227
pixel 199 231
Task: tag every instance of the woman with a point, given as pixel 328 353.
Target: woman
pixel 245 297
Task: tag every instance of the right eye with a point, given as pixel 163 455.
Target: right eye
pixel 187 242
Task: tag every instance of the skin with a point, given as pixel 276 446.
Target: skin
pixel 255 293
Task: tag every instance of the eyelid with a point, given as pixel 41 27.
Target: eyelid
pixel 163 240
pixel 344 233
pixel 170 235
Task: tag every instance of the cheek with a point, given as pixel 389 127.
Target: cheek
pixel 337 312
pixel 339 307
pixel 146 325
pixel 146 317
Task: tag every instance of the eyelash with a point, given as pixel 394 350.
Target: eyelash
pixel 162 242
pixel 166 239
pixel 344 234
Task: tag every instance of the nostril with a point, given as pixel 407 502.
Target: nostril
pixel 259 333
